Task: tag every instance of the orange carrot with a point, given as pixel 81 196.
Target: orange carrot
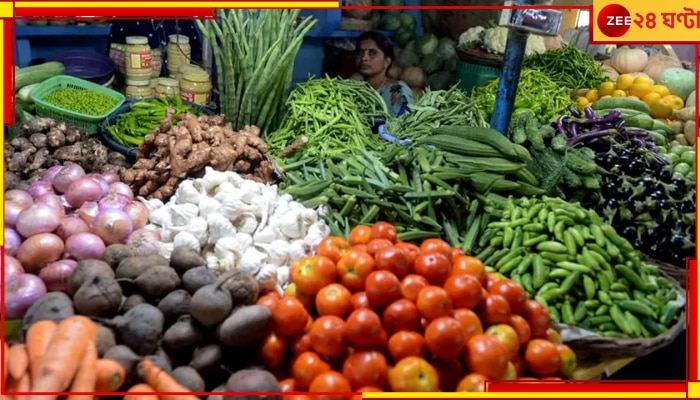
pixel 141 388
pixel 23 384
pixel 86 377
pixel 110 375
pixel 162 382
pixel 18 361
pixel 64 354
pixel 37 340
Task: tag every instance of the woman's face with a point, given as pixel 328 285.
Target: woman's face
pixel 370 59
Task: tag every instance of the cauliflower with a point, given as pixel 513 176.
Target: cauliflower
pixel 471 38
pixel 535 45
pixel 495 40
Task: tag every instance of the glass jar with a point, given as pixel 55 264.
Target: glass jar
pixel 121 58
pixel 186 69
pixel 138 58
pixel 154 85
pixel 156 62
pixel 195 88
pixel 167 87
pixel 179 51
pixel 138 90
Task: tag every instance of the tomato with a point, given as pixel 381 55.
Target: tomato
pixel 411 285
pixel 268 299
pixel 393 260
pixel 334 299
pixel 506 335
pixel 333 248
pixel 366 368
pixel 401 315
pixel 272 350
pixel 542 357
pixel 464 290
pixel 300 343
pixel 434 302
pixel 384 230
pixel 568 360
pixel 444 338
pixel 454 253
pixel 521 327
pixel 450 372
pixel 472 383
pixel 435 267
pixel 305 299
pixel 519 365
pixel 553 336
pixel 469 265
pixel 353 269
pixel 289 316
pixel 491 278
pixel 363 328
pixel 538 317
pixel 404 344
pixel 494 309
pixel 382 288
pixel 375 245
pixel 413 374
pixel 487 355
pixel 439 246
pixel 328 336
pixel 287 385
pixel 310 274
pixel 362 248
pixel 512 292
pixel 330 381
pixel 511 373
pixel 471 324
pixel 361 234
pixel 410 251
pixel 359 300
pixel 305 368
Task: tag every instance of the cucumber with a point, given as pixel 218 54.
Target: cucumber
pixel 626 113
pixel 660 125
pixel 620 102
pixel 23 94
pixel 643 121
pixel 37 74
pixel 659 137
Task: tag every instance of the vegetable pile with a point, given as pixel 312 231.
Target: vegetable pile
pixel 568 67
pixel 683 125
pixel 81 101
pixel 435 58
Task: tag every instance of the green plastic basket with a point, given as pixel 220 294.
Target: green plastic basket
pixel 89 124
pixel 473 75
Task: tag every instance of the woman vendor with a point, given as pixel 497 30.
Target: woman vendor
pixel 374 54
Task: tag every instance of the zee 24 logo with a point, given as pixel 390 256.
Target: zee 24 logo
pixel 615 20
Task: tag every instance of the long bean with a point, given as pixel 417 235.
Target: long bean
pixel 568 67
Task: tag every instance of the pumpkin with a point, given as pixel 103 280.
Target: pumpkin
pixel 626 60
pixel 394 71
pixel 414 77
pixel 659 63
pixel 609 72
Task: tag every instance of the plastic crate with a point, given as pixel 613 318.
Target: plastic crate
pixel 89 124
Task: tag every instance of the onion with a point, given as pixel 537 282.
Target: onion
pixel 54 201
pixel 113 201
pixel 67 208
pixel 21 292
pixel 39 251
pixel 67 175
pixel 51 173
pixel 138 213
pixel 103 183
pixel 12 211
pixel 83 190
pixel 113 226
pixel 83 246
pixel 110 177
pixel 40 188
pixel 12 266
pixel 88 212
pixel 144 242
pixel 12 241
pixel 57 274
pixel 70 225
pixel 121 188
pixel 19 196
pixel 38 218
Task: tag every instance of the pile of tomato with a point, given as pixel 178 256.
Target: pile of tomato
pixel 376 314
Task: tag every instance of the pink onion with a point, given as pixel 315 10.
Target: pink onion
pixel 103 183
pixel 57 274
pixel 40 188
pixel 82 246
pixel 21 292
pixel 12 241
pixel 51 173
pixel 12 211
pixel 144 242
pixel 138 213
pixel 38 218
pixel 83 190
pixel 53 201
pixel 39 251
pixel 113 226
pixel 67 208
pixel 19 196
pixel 67 175
pixel 110 177
pixel 11 266
pixel 113 201
pixel 121 188
pixel 88 212
pixel 70 225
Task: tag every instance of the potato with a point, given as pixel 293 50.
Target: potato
pixel 132 267
pixel 677 126
pixel 245 327
pixel 85 269
pixel 689 132
pixel 680 138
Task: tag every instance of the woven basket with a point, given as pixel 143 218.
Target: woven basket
pixel 359 13
pixel 599 348
pixel 479 57
pixel 678 274
pixel 354 24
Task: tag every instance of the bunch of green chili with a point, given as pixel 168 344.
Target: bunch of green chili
pixel 568 67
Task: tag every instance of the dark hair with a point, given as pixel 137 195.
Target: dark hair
pixel 383 42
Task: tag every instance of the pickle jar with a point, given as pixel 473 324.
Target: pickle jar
pixel 186 69
pixel 138 58
pixel 195 87
pixel 167 87
pixel 156 62
pixel 178 53
pixel 138 90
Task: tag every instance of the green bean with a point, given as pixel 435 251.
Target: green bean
pixel 569 67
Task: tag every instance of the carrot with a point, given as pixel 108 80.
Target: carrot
pixel 64 354
pixel 141 388
pixel 37 341
pixel 18 361
pixel 110 375
pixel 23 384
pixel 162 382
pixel 86 377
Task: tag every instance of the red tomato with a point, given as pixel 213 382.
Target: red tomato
pixel 384 230
pixel 512 292
pixel 537 317
pixel 401 315
pixel 432 246
pixel 359 300
pixel 328 336
pixel 292 291
pixel 413 374
pixel 519 365
pixel 330 381
pixel 362 248
pixel 411 252
pixel 404 344
pixel 486 355
pixel 300 344
pixel 289 316
pixel 435 267
pixel 268 300
pixel 522 328
pixel 464 290
pixel 332 247
pixel 310 274
pixel 287 385
pixel 334 299
pixel 272 350
pixel 393 260
pixel 382 288
pixel 363 329
pixel 353 269
pixel 361 234
pixel 411 285
pixel 375 245
pixel 444 338
pixel 454 253
pixel 305 368
pixel 366 368
pixel 471 324
pixel 494 309
pixel 450 372
pixel 434 302
pixel 471 266
pixel 506 335
pixel 542 358
pixel 472 383
pixel 491 278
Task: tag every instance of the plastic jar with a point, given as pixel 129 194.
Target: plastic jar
pixel 156 62
pixel 154 85
pixel 120 57
pixel 186 69
pixel 138 58
pixel 195 88
pixel 178 53
pixel 138 89
pixel 168 87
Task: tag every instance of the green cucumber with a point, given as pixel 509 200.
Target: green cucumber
pixel 37 74
pixel 620 102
